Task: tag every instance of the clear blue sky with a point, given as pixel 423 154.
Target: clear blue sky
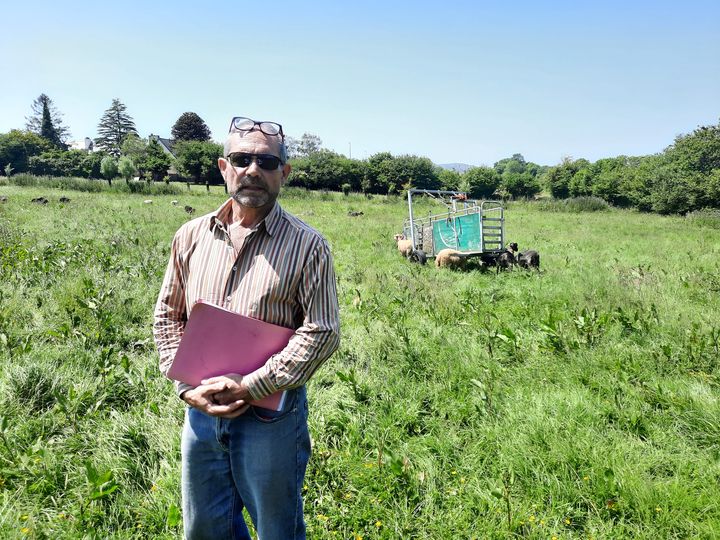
pixel 470 82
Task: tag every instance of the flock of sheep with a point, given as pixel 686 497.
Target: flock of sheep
pixel 451 258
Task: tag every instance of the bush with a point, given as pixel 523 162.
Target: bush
pixel 575 205
pixel 145 188
pixel 707 217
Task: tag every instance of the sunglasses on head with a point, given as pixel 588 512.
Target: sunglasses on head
pixel 266 162
pixel 240 123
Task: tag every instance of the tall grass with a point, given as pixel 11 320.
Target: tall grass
pixel 579 401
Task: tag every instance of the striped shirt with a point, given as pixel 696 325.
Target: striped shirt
pixel 280 272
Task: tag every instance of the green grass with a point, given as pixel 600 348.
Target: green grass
pixel 577 402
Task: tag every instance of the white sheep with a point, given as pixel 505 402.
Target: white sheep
pixel 449 258
pixel 404 246
pixel 147 201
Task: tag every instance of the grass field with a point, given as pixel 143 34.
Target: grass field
pixel 578 402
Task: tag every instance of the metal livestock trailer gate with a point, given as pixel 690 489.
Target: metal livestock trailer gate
pixel 474 228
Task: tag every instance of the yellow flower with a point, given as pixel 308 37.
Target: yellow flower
pixel 554 538
pixel 658 509
pixel 542 522
pixel 378 523
pixel 24 530
pixel 586 478
pixel 153 488
pixel 567 521
pixel 369 465
pixel 322 517
pixel 531 519
pixel 24 517
pixel 358 537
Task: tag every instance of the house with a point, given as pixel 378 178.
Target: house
pixel 86 145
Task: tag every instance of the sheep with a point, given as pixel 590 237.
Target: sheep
pixel 174 202
pixel 404 246
pixel 40 200
pixel 506 260
pixel 354 214
pixel 529 259
pixel 189 209
pixel 147 201
pixel 449 258
pixel 3 199
pixel 64 199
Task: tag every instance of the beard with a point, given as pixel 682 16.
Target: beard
pixel 253 198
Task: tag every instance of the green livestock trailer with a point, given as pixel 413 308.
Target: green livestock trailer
pixel 474 228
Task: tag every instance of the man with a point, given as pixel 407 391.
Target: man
pixel 252 257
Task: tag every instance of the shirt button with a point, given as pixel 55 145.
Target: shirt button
pixel 234 268
pixel 229 298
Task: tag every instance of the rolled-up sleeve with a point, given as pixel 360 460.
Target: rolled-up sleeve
pixel 315 340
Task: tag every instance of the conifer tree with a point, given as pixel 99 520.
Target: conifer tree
pixel 46 121
pixel 114 125
pixel 190 127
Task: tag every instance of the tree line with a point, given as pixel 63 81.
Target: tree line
pixel 682 178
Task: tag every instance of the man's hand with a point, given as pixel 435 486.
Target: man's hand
pixel 223 396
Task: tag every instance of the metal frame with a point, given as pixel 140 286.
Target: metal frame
pixel 491 220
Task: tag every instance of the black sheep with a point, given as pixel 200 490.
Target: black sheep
pixel 529 259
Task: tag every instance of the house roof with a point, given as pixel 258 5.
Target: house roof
pixel 167 144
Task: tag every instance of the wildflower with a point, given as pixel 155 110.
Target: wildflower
pixel 358 537
pixel 24 530
pixel 542 522
pixel 24 517
pixel 153 487
pixel 658 509
pixel 554 538
pixel 462 479
pixel 567 521
pixel 531 519
pixel 322 517
pixel 348 496
pixel 369 465
pixel 586 478
pixel 453 472
pixel 378 523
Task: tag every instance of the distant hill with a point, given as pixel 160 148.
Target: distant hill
pixel 459 167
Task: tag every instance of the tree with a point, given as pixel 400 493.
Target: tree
pixel 199 160
pixel 156 161
pixel 46 116
pixel 307 144
pixel 126 168
pixel 135 148
pixel 17 147
pixel 109 168
pixel 480 182
pixel 190 127
pixel 114 126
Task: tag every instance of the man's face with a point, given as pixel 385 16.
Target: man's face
pixel 252 186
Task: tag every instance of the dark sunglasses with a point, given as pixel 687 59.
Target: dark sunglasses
pixel 266 162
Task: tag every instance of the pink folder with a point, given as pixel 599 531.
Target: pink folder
pixel 217 341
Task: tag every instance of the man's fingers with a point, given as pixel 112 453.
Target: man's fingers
pixel 225 410
pixel 237 413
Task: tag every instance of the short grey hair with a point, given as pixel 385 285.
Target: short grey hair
pixel 282 147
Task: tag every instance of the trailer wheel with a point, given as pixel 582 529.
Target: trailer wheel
pixel 418 256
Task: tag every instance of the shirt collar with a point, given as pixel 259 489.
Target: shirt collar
pixel 223 217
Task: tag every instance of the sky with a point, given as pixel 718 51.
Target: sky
pixel 470 82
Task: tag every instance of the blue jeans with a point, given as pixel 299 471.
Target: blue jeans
pixel 256 461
